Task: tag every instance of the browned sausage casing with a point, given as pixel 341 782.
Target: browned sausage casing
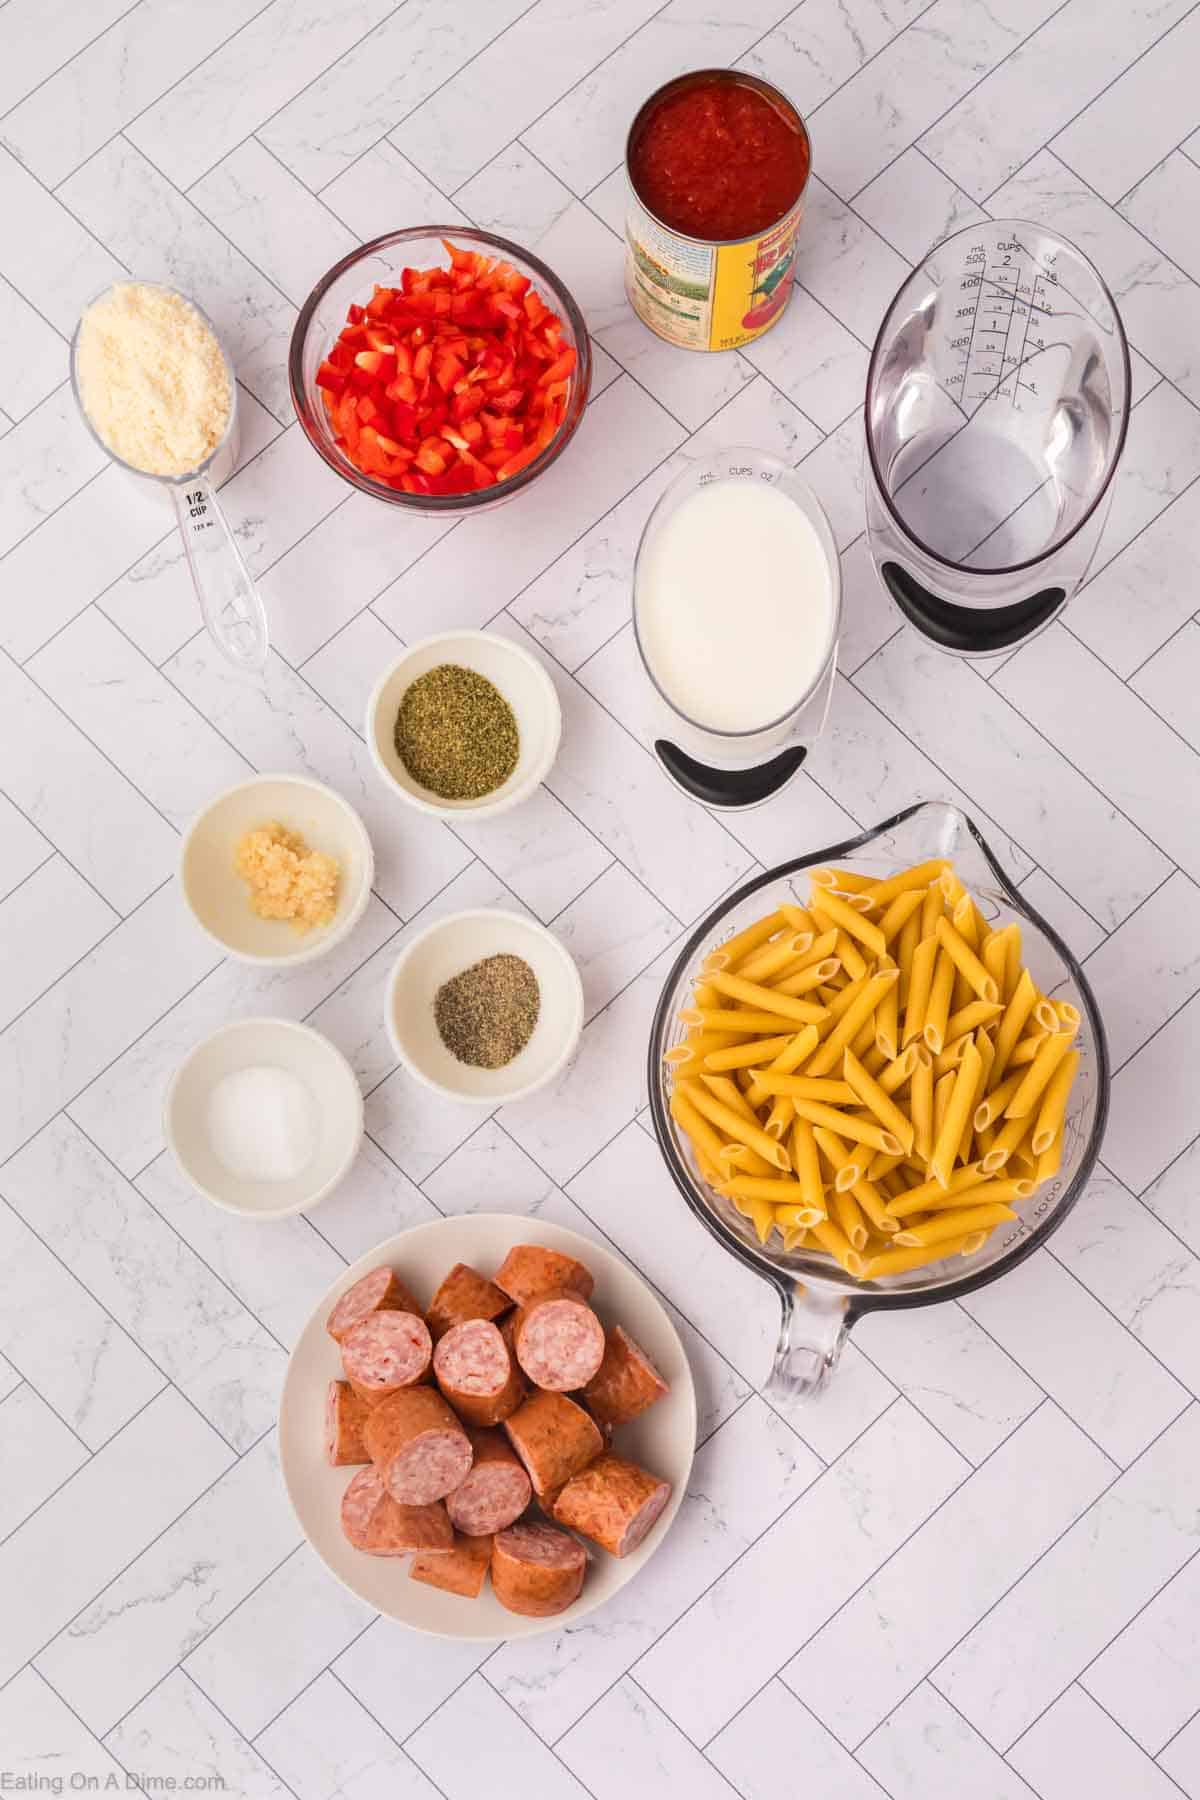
pixel 380 1291
pixel 537 1570
pixel 626 1382
pixel 418 1445
pixel 465 1294
pixel 553 1437
pixel 496 1491
pixel 474 1370
pixel 613 1502
pixel 460 1570
pixel 345 1417
pixel 529 1270
pixel 559 1341
pixel 374 1522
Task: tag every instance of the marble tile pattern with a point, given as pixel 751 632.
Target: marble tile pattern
pixel 971 1570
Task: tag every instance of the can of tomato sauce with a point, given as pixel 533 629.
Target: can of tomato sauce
pixel 717 162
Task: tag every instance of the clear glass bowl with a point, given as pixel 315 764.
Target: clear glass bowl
pixel 353 281
pixel 820 1301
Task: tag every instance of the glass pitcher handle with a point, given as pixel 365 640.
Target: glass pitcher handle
pixel 811 1334
pixel 229 600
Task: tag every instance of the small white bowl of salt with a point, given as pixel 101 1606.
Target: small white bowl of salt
pixel 265 1117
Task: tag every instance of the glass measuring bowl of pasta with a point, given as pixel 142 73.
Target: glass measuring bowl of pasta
pixel 736 609
pixel 878 1077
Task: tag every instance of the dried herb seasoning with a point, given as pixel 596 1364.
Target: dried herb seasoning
pixel 486 1015
pixel 456 734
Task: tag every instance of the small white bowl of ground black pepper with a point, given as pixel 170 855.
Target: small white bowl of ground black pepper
pixel 484 1006
pixel 465 724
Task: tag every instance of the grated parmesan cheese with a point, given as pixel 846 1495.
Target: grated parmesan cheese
pixel 152 379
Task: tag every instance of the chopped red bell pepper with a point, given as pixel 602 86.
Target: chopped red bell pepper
pixel 454 380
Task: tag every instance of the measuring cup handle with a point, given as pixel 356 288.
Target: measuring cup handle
pixel 811 1334
pixel 969 629
pixel 229 600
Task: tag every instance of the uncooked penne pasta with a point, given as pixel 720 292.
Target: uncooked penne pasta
pixel 873 1096
pixel 773 957
pixel 957 1116
pixel 937 1011
pixel 854 923
pixel 705 1139
pixel 900 1262
pixel 828 1054
pixel 953 1223
pixel 1053 1108
pixel 726 955
pixel 874 1077
pixel 848 880
pixel 1012 1025
pixel 887 1014
pixel 807 1164
pixel 850 956
pixel 789 1059
pixel 765 999
pixel 739 1129
pixel 1050 1053
pixel 748 1055
pixel 898 912
pixel 920 983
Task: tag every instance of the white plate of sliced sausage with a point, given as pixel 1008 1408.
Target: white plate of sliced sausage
pixel 487 1426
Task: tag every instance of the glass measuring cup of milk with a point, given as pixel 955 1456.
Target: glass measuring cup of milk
pixel 996 409
pixel 230 602
pixel 736 609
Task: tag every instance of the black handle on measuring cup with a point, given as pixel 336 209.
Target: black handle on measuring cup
pixel 729 789
pixel 977 630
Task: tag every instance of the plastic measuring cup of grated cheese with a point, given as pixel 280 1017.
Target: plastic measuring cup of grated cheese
pixel 156 390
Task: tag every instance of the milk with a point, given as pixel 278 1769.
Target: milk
pixel 735 605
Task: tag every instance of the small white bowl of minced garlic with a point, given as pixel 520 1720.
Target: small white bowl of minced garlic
pixel 277 870
pixel 465 724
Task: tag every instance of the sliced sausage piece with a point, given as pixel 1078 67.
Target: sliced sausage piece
pixel 554 1438
pixel 626 1382
pixel 387 1350
pixel 465 1294
pixel 345 1416
pixel 380 1291
pixel 418 1446
pixel 476 1373
pixel 374 1522
pixel 460 1570
pixel 536 1569
pixel 559 1341
pixel 613 1502
pixel 496 1491
pixel 368 1398
pixel 529 1270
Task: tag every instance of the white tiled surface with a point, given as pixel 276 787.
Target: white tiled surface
pixel 969 1572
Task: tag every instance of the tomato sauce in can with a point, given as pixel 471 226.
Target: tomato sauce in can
pixel 717 163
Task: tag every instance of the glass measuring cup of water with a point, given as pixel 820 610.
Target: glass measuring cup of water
pixel 996 410
pixel 230 602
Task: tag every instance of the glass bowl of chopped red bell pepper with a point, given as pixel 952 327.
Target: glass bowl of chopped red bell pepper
pixel 440 369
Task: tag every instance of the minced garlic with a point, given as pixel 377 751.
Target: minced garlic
pixel 287 880
pixel 152 379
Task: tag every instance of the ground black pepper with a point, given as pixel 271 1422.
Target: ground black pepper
pixel 456 734
pixel 486 1015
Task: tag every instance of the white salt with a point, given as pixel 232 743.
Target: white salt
pixel 262 1123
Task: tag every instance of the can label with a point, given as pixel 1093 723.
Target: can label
pixel 708 296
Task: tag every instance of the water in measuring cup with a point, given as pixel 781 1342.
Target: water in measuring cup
pixel 1002 414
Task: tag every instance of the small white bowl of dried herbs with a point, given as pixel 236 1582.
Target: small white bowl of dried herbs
pixel 484 1006
pixel 464 724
